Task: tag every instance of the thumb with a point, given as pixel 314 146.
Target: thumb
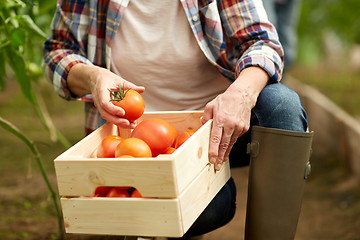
pixel 207 115
pixel 128 85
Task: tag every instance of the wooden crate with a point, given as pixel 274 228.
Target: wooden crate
pixel 179 186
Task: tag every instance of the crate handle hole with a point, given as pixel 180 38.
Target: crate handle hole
pixel 117 191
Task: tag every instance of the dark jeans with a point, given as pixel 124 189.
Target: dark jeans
pixel 277 107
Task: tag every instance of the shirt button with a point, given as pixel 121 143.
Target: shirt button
pixel 195 18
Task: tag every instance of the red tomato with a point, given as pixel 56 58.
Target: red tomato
pixel 118 192
pixel 134 147
pixel 107 147
pixel 170 150
pixel 136 194
pixel 131 101
pixel 185 135
pixel 157 133
pixel 124 156
pixel 102 191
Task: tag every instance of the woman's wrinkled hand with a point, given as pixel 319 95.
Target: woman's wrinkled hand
pixel 231 112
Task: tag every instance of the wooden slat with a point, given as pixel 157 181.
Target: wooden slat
pixel 192 157
pixel 122 216
pixel 87 145
pixel 80 177
pixel 201 191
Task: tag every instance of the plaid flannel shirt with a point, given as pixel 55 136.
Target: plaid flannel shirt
pixel 232 35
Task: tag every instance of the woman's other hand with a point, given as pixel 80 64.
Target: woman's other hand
pixel 231 112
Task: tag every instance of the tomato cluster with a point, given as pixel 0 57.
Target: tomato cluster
pixel 105 191
pixel 149 138
pixel 108 145
pixel 154 136
pixel 157 133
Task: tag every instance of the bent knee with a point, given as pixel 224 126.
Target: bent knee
pixel 279 106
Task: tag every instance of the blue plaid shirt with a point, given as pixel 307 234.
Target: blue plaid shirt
pixel 232 35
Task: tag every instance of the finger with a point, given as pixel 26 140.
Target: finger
pixel 104 103
pixel 139 89
pixel 129 85
pixel 132 125
pixel 239 131
pixel 208 113
pixel 223 146
pixel 231 144
pixel 111 108
pixel 108 110
pixel 118 121
pixel 214 141
pixel 230 134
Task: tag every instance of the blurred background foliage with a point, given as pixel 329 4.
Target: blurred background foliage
pixel 24 24
pixel 329 50
pixel 321 22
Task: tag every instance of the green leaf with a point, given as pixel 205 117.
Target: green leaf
pixel 30 2
pixel 17 38
pixel 26 22
pixel 17 63
pixel 8 126
pixel 15 3
pixel 4 43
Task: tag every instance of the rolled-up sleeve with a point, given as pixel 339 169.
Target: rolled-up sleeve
pixel 251 39
pixel 66 46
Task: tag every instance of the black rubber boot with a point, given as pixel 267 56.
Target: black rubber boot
pixel 279 166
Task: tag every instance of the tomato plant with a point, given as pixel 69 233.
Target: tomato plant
pixel 107 147
pixel 185 135
pixel 129 100
pixel 157 133
pixel 134 147
pixel 118 192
